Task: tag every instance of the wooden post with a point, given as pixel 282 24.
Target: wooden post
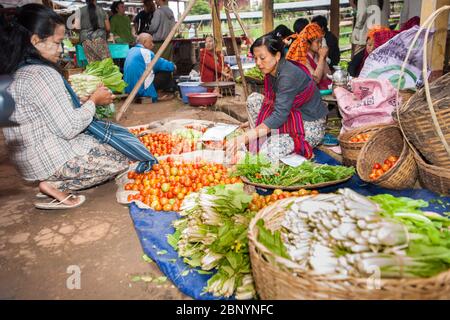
pixel 439 41
pixel 149 68
pixel 236 50
pixel 267 8
pixel 335 17
pixel 216 23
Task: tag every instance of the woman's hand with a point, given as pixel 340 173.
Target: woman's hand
pixel 102 96
pixel 323 52
pixel 233 145
pixel 244 125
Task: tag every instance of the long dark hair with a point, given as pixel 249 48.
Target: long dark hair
pixel 272 42
pixel 92 9
pixel 114 6
pixel 15 39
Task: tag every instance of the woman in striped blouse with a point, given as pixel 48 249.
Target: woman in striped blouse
pixel 290 111
pixel 50 146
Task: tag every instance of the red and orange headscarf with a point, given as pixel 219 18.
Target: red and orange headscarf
pixel 299 48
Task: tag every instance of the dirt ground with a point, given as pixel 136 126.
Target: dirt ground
pixel 42 252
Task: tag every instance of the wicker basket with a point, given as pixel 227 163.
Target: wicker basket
pixel 386 142
pixel 418 126
pixel 406 95
pixel 431 177
pixel 350 151
pixel 425 117
pixel 274 279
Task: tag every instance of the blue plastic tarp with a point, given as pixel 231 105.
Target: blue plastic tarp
pixel 152 228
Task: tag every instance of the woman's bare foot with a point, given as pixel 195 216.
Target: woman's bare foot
pixel 48 189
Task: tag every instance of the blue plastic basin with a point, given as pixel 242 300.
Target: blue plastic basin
pixel 190 87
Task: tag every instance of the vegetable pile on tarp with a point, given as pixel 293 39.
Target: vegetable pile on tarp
pixel 347 235
pixel 256 168
pixel 213 235
pixel 108 73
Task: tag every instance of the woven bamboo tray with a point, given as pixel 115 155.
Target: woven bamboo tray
pixel 296 187
pixel 386 142
pixel 350 151
pixel 424 119
pixel 274 279
pixel 431 177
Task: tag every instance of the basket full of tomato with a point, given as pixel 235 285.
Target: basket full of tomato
pixel 387 160
pixel 351 143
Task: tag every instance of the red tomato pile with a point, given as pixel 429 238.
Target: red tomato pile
pixel 363 137
pixel 160 144
pixel 379 169
pixel 167 184
pixel 137 131
pixel 259 201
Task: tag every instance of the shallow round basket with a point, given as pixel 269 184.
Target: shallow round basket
pixel 431 177
pixel 351 150
pixel 296 187
pixel 275 280
pixel 388 141
pixel 202 99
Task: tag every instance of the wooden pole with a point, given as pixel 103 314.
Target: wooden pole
pixel 216 23
pixel 267 15
pixel 236 51
pixel 241 23
pixel 334 17
pixel 149 68
pixel 439 41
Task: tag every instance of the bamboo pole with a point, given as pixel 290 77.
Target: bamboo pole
pixel 236 51
pixel 241 23
pixel 217 25
pixel 149 68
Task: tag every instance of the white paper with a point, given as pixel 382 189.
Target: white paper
pixel 293 160
pixel 219 132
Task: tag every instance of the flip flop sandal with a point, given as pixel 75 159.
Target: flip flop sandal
pixel 41 195
pixel 58 205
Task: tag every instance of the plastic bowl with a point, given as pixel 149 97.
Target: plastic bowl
pixel 190 87
pixel 202 99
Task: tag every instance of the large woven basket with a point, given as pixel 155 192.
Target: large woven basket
pixel 425 118
pixel 388 141
pixel 350 151
pixel 275 280
pixel 431 177
pixel 418 126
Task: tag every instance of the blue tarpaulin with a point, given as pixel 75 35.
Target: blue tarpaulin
pixel 153 227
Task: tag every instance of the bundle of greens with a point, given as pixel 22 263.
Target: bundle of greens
pixel 213 235
pixel 108 73
pixel 83 84
pixel 104 112
pixel 252 73
pixel 346 234
pixel 256 168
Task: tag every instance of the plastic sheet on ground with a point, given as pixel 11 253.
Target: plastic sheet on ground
pixel 153 227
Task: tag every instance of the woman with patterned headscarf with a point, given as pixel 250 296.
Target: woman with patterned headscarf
pixel 307 49
pixel 376 37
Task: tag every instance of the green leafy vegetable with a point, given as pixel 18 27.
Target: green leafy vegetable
pixel 109 74
pixel 258 169
pixel 271 241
